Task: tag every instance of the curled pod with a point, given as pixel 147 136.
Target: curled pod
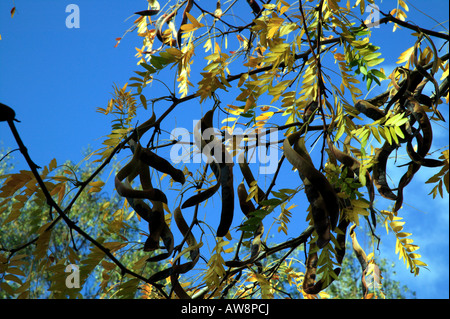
pixel 320 182
pixel 310 286
pixel 153 160
pixel 184 229
pixel 155 227
pixel 413 168
pixel 360 254
pixel 310 274
pixel 321 195
pixel 204 124
pixel 247 207
pixel 165 18
pixel 424 142
pixel 226 215
pixel 353 166
pixel 144 127
pixel 379 170
pixel 132 168
pixel 167 238
pixel 340 239
pixel 153 220
pixel 151 194
pixel 248 176
pixel 202 196
pixel 369 110
pixel 181 269
pixel 347 160
pixel 184 20
pixel 319 213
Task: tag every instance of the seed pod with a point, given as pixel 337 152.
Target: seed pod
pixel 202 196
pixel 379 170
pixel 184 20
pixel 155 227
pixel 131 169
pixel 162 165
pixel 226 215
pixel 320 194
pixel 309 284
pixel 248 176
pixel 184 229
pixel 246 206
pixel 353 166
pixel 167 238
pixel 147 12
pixel 369 110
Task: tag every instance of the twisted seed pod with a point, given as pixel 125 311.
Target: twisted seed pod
pixel 184 20
pixel 369 110
pixel 320 194
pixel 200 127
pixel 379 170
pixel 247 207
pixel 248 176
pixel 226 215
pixel 202 196
pixel 223 173
pixel 194 252
pixel 126 191
pixel 310 286
pixel 353 166
pixel 184 229
pixel 425 126
pixel 162 165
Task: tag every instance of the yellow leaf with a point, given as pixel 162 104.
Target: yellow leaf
pixel 194 20
pixel 249 103
pixel 97 184
pixel 52 164
pixel 420 263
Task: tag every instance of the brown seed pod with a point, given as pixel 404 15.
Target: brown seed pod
pixel 248 176
pixel 184 20
pixel 226 215
pixel 369 110
pixel 310 286
pixel 184 229
pixel 202 196
pixel 131 169
pixel 320 194
pixel 247 207
pixel 379 170
pixel 162 165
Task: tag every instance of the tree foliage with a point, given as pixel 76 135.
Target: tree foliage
pixel 249 70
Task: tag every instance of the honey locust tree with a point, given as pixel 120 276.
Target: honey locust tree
pixel 250 129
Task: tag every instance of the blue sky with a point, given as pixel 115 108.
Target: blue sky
pixel 55 78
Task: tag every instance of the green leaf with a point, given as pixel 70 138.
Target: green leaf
pixel 375 62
